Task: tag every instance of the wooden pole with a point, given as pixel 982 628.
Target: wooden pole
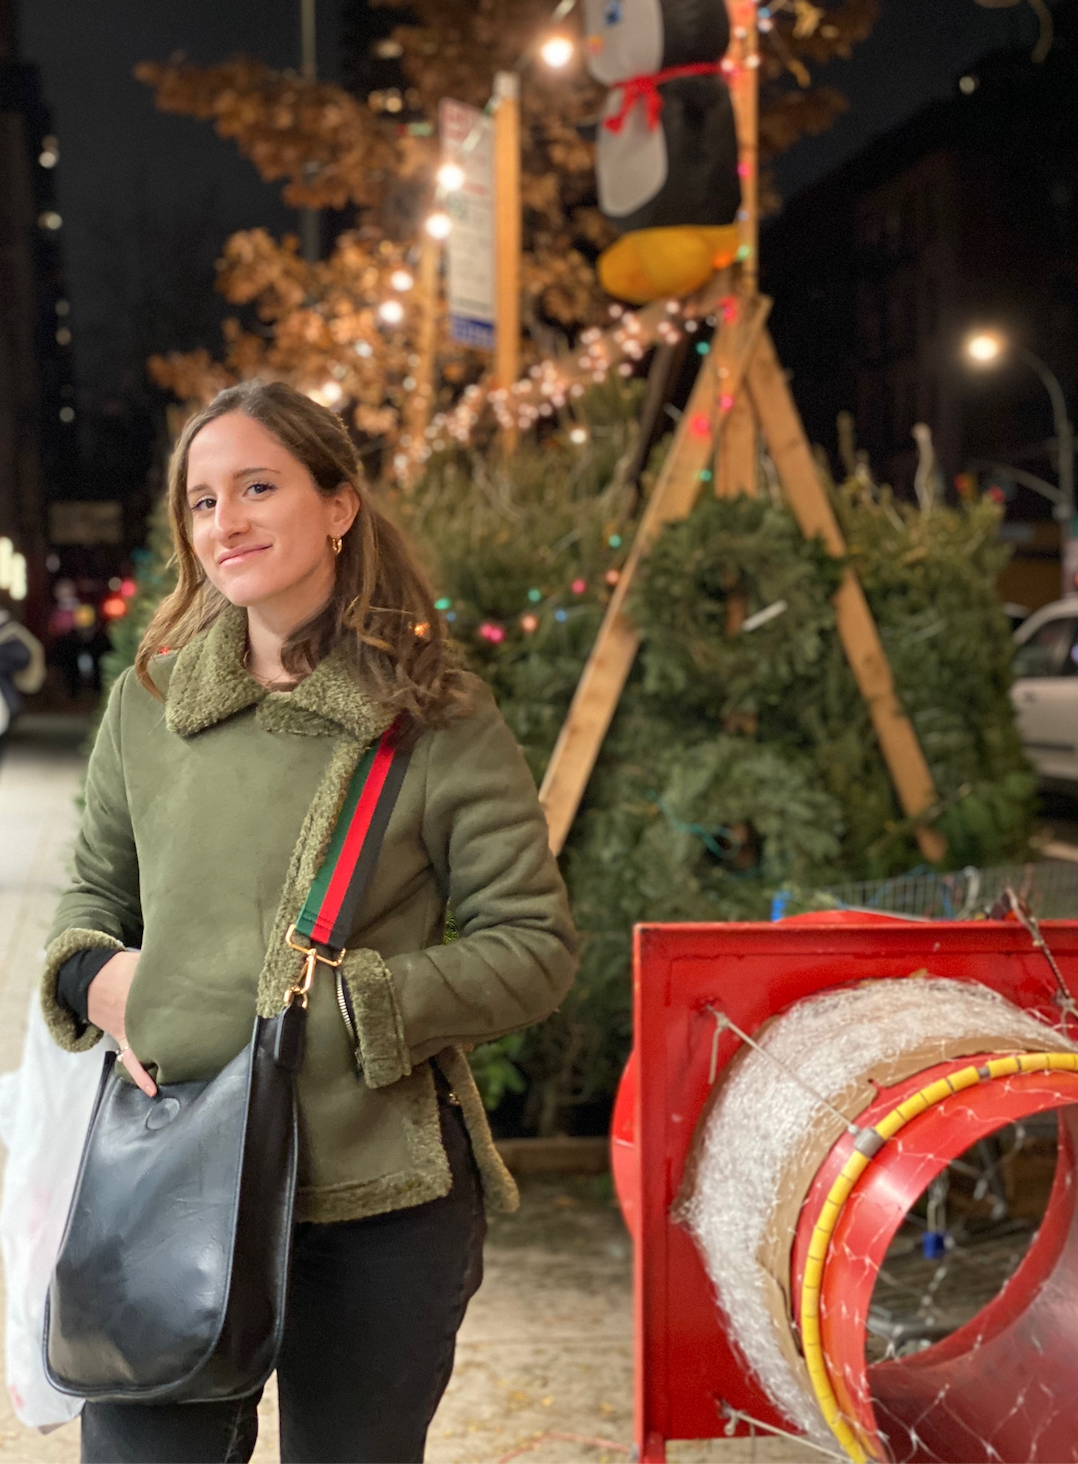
pixel 422 397
pixel 616 645
pixel 745 94
pixel 507 235
pixel 737 455
pixel 789 449
pixel 738 451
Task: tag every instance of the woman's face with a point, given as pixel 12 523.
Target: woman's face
pixel 261 529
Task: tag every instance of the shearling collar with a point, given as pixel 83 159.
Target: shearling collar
pixel 209 683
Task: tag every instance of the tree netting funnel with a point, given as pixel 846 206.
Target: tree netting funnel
pixel 719 1319
pixel 1001 1387
pixel 815 1144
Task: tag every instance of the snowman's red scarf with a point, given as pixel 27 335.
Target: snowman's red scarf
pixel 646 89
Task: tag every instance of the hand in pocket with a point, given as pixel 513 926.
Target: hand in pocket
pixel 106 1003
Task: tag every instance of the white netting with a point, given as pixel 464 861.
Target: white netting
pixel 764 1136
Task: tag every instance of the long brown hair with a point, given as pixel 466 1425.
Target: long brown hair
pixel 381 610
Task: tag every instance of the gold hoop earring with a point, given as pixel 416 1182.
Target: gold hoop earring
pixel 338 545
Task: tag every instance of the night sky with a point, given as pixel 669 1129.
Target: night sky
pixel 147 199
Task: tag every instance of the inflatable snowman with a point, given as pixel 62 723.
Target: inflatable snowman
pixel 667 146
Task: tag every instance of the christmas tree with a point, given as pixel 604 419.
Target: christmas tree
pixel 742 760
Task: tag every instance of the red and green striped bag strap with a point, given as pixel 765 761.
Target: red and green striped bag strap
pixel 329 912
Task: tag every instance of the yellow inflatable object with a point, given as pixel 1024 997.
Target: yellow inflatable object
pixel 651 263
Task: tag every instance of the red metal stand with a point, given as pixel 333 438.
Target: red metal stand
pixel 687 1371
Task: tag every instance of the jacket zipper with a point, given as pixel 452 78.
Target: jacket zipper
pixel 344 1002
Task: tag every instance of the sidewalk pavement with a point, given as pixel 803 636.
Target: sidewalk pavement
pixel 39 785
pixel 544 1360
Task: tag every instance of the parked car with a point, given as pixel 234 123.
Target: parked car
pixel 1045 693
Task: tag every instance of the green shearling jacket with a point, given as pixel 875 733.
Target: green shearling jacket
pixel 206 819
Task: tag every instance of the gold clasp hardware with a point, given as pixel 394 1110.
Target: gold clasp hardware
pixel 299 992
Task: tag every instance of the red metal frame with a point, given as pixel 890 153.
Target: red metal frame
pixel 686 1368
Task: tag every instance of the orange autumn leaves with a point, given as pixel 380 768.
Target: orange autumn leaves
pixel 318 325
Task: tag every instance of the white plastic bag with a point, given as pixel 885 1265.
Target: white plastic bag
pixel 45 1108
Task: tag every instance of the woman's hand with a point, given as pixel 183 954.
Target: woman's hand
pixel 106 1003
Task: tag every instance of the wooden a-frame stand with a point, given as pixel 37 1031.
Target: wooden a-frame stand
pixel 740 394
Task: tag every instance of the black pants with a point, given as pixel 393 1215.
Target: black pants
pixel 373 1311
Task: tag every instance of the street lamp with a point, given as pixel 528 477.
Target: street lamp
pixel 986 348
pixel 557 51
pixel 450 177
pixel 439 225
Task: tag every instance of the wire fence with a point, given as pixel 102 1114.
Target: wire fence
pixel 1050 886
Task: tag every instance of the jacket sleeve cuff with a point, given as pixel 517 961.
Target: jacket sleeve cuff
pixel 383 1052
pixel 64 1027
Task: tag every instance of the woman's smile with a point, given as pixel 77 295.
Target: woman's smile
pixel 241 555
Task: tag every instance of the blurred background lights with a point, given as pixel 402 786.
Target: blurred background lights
pixel 451 177
pixel 12 570
pixel 328 394
pixel 391 311
pixel 400 279
pixel 557 51
pixel 439 225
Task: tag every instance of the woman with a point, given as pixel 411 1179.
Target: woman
pixel 298 631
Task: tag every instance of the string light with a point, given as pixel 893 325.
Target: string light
pixel 401 280
pixel 439 225
pixel 391 311
pixel 552 384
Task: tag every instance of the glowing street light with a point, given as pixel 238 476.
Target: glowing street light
pixel 557 51
pixel 450 177
pixel 985 347
pixel 439 225
pixel 391 311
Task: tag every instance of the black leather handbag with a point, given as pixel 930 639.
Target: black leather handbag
pixel 172 1277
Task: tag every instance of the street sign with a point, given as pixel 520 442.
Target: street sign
pixel 467 140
